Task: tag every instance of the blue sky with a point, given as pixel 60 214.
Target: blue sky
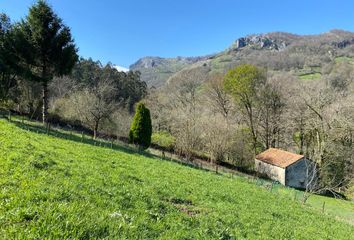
pixel 123 31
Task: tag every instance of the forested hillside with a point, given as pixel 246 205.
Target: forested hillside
pixel 155 70
pixel 269 90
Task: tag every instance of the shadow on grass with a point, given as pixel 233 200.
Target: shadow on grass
pixel 72 135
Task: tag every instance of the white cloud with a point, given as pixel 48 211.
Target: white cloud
pixel 121 69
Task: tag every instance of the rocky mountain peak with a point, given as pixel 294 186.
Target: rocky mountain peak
pixel 262 41
pixel 147 62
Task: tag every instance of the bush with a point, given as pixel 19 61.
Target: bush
pixel 141 129
pixel 163 139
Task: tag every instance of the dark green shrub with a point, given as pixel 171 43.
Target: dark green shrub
pixel 141 129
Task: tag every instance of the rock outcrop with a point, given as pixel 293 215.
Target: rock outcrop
pixel 260 42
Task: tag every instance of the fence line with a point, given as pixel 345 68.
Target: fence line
pixel 272 186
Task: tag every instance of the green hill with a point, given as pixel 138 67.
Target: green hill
pixel 52 188
pixel 276 51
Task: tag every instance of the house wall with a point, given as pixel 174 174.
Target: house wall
pixel 273 172
pixel 296 174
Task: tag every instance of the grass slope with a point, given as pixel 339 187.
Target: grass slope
pixel 344 59
pixel 310 76
pixel 55 188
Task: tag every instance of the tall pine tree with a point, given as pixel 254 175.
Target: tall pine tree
pixel 141 129
pixel 49 48
pixel 7 60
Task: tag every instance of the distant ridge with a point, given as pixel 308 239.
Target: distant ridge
pixel 275 50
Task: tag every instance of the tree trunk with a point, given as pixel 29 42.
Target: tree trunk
pixel 95 130
pixel 302 136
pixel 267 129
pixel 252 126
pixel 45 102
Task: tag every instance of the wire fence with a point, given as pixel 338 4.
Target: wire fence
pixel 70 134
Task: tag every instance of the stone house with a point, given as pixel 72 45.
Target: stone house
pixel 288 168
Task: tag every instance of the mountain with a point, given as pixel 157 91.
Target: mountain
pixel 305 56
pixel 156 70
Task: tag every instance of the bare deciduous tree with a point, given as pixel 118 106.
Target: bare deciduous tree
pixel 92 106
pixel 313 182
pixel 217 136
pixel 220 101
pixel 271 107
pixel 184 101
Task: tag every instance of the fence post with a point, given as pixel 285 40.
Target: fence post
pixel 10 116
pixel 323 207
pixel 216 168
pixel 82 136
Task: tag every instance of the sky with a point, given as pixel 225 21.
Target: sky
pixel 121 32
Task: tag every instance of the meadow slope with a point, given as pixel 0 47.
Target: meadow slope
pixel 59 189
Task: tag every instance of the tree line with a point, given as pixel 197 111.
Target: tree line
pixel 231 117
pixel 42 75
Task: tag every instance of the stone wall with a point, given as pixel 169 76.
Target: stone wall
pixel 273 172
pixel 296 174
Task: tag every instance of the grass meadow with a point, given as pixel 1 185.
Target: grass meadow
pixel 54 188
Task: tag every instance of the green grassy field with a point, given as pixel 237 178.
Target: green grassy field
pixel 337 208
pixel 310 76
pixel 52 188
pixel 344 59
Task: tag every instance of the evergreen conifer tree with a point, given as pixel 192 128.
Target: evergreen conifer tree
pixel 141 129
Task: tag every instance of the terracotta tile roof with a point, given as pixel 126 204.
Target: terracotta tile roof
pixel 278 157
